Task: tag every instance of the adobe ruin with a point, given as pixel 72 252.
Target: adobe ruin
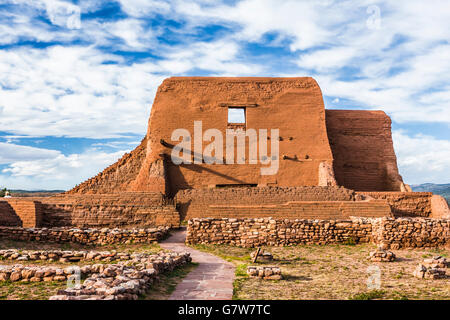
pixel 333 164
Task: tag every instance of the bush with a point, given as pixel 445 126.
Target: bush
pixel 370 295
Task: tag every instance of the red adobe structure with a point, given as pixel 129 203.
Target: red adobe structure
pixel 333 164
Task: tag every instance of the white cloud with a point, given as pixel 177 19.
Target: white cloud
pixel 11 152
pixel 422 158
pixel 69 91
pixel 142 8
pixel 57 171
pixel 220 57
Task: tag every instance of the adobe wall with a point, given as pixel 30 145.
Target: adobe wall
pixel 191 203
pixel 8 217
pixel 17 212
pixel 406 204
pixel 364 157
pixel 361 155
pixel 126 210
pixel 298 210
pixel 292 105
pixel 117 177
pixel 253 232
pixel 439 207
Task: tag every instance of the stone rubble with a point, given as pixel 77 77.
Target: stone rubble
pixel 436 262
pixel 68 256
pixel 433 268
pixel 122 282
pixel 264 256
pixel 160 262
pixel 264 272
pixel 380 255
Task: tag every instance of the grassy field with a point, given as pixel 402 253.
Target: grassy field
pixel 29 290
pixel 33 245
pixel 333 272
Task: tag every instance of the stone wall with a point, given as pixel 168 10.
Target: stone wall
pixel 251 232
pixel 411 232
pixel 84 236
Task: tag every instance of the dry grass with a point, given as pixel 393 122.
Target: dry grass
pixel 29 290
pixel 333 272
pixel 33 245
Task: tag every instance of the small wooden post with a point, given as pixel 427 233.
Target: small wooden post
pixel 257 254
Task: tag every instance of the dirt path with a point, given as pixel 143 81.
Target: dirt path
pixel 211 280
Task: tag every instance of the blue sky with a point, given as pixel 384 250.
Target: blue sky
pixel 77 79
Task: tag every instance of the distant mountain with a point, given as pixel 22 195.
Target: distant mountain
pixel 441 189
pixel 34 193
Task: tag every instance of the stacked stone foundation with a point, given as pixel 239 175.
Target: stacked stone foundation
pixel 85 236
pixel 253 232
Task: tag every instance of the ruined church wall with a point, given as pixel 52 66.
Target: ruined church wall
pixel 292 105
pixel 363 152
pixel 117 177
pixel 253 232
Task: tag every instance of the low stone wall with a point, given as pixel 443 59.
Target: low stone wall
pixel 391 233
pixel 71 256
pixel 274 232
pixel 85 236
pixel 122 282
pixel 411 232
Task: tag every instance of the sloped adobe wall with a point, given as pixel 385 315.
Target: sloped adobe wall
pixel 117 177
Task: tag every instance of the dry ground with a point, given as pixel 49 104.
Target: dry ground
pixel 333 272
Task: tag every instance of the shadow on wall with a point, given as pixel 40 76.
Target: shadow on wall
pixel 178 182
pixel 8 216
